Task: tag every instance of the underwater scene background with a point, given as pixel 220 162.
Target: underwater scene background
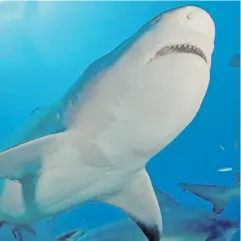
pixel 45 46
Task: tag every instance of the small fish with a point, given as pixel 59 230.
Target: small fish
pixel 225 169
pixel 222 147
pixel 16 230
pixel 36 110
pixel 71 236
pixel 235 61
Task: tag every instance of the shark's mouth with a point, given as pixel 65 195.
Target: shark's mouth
pixel 181 48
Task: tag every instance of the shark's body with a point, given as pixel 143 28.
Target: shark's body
pixel 179 224
pixel 123 110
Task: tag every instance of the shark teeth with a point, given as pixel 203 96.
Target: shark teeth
pixel 181 48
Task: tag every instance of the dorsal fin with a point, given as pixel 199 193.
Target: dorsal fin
pixel 216 195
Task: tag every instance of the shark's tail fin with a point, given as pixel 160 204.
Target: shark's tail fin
pixel 218 196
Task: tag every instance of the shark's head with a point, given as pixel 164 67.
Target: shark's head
pixel 170 57
pixel 186 30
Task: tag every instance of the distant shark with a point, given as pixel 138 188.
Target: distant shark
pixel 218 196
pixel 94 143
pixel 179 224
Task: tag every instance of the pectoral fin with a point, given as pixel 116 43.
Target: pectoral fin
pixel 137 198
pixel 23 163
pixel 24 160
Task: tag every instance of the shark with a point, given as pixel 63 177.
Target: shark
pixel 180 223
pixel 93 144
pixel 218 196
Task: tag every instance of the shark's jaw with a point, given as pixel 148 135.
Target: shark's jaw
pixel 180 48
pixel 185 31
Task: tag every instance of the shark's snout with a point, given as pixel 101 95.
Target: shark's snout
pixel 188 30
pixel 196 19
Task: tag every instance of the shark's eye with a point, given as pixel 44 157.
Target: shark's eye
pixel 156 19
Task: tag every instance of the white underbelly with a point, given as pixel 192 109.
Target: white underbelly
pixel 139 114
pixel 60 188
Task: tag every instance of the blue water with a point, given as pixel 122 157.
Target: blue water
pixel 45 46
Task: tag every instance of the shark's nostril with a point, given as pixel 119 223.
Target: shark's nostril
pixel 189 15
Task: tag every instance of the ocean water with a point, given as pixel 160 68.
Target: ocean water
pixel 45 46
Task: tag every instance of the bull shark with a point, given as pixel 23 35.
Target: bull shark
pixel 179 224
pixel 218 196
pixel 94 143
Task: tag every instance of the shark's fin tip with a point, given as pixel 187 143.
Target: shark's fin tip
pixel 145 212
